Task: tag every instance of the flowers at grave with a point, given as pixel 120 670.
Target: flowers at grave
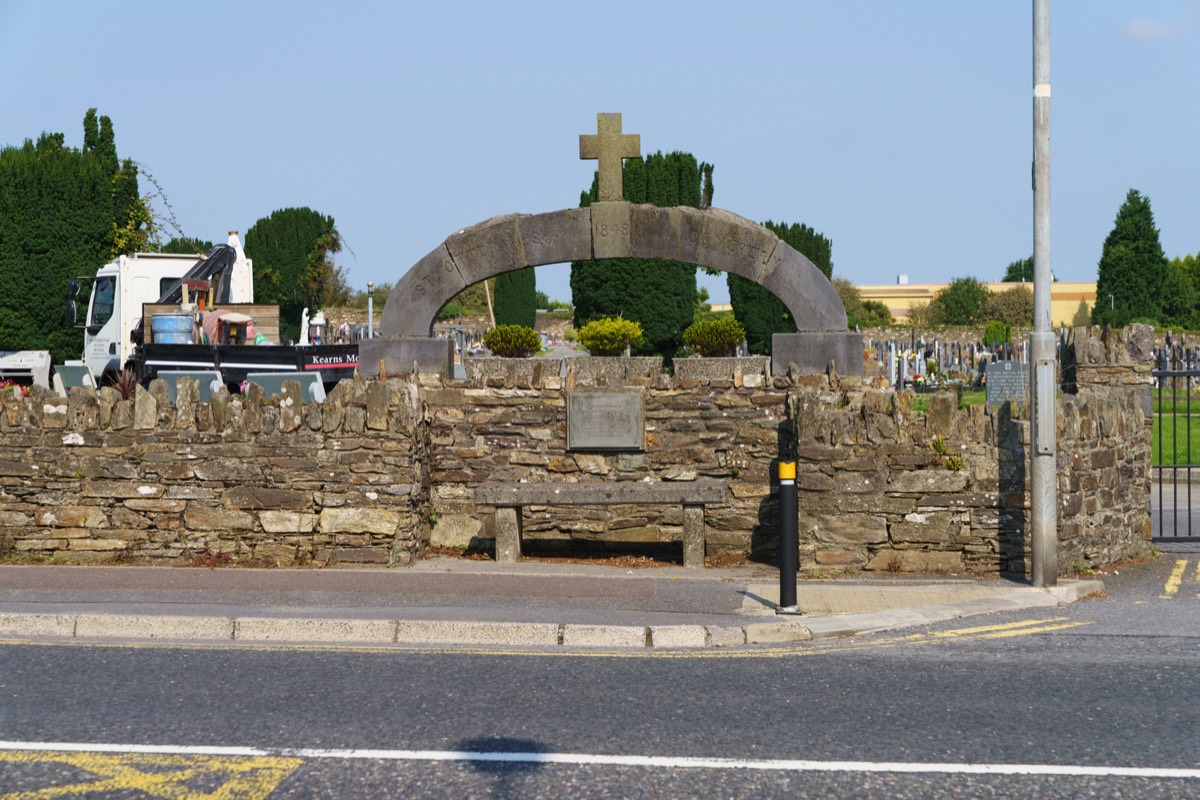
pixel 11 386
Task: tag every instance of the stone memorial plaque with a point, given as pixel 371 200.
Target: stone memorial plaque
pixel 1007 380
pixel 598 420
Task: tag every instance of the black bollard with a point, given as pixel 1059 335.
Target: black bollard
pixel 789 539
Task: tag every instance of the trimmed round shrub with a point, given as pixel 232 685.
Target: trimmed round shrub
pixel 610 337
pixel 719 336
pixel 512 341
pixel 996 332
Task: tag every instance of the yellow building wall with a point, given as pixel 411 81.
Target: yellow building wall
pixel 1065 297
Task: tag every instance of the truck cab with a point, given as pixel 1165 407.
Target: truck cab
pixel 118 291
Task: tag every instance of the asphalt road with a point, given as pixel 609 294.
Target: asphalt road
pixel 1066 699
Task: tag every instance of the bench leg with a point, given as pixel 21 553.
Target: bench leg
pixel 508 534
pixel 693 536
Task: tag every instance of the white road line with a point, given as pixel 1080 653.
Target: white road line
pixel 585 759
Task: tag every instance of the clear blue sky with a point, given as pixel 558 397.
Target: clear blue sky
pixel 901 130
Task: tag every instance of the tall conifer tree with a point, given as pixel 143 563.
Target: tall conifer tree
pixel 659 294
pixel 1132 273
pixel 763 314
pixel 293 253
pixel 63 213
pixel 516 298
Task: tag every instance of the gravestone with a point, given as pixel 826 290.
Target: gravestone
pixel 1007 380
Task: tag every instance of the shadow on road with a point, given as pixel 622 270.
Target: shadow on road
pixel 504 760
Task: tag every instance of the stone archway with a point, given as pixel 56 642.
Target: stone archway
pixel 614 228
pixel 709 237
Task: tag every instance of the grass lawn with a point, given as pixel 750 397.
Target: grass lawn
pixel 1169 443
pixel 920 402
pixel 1177 403
pixel 1179 415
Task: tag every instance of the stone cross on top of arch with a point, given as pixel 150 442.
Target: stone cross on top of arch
pixel 609 146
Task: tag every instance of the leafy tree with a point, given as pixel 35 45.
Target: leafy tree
pixel 541 299
pixel 1013 307
pixel 1132 274
pixel 861 313
pixel 516 298
pixel 875 314
pixel 1188 266
pixel 474 298
pixel 452 311
pixel 920 314
pixel 186 245
pixel 293 253
pixel 658 294
pixel 1022 272
pixel 64 212
pixel 763 314
pixel 1179 299
pixel 961 303
pixel 380 293
pixel 996 332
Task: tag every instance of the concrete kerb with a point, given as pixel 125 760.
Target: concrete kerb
pixel 143 627
pixel 541 635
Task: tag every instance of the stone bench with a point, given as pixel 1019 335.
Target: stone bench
pixel 509 498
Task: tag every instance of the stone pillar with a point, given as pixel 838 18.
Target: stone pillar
pixel 398 355
pixel 693 536
pixel 812 351
pixel 508 534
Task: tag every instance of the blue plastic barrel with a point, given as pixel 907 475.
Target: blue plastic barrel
pixel 172 328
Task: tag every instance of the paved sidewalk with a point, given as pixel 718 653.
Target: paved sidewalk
pixel 456 602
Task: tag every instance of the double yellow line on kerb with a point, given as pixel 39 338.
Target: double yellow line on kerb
pixel 1175 580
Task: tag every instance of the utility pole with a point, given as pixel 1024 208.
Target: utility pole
pixel 1042 364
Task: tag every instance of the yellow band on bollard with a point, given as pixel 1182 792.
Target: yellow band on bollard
pixel 787 470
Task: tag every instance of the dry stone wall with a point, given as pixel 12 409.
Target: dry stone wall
pixel 270 480
pixel 715 418
pixel 381 468
pixel 947 490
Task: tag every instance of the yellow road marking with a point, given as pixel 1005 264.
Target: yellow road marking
pixel 1043 629
pixel 986 629
pixel 1005 630
pixel 1174 580
pixel 171 777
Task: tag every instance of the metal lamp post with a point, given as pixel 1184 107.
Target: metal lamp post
pixel 370 309
pixel 1043 363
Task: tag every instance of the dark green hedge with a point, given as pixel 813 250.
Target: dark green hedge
pixel 763 314
pixel 658 294
pixel 64 212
